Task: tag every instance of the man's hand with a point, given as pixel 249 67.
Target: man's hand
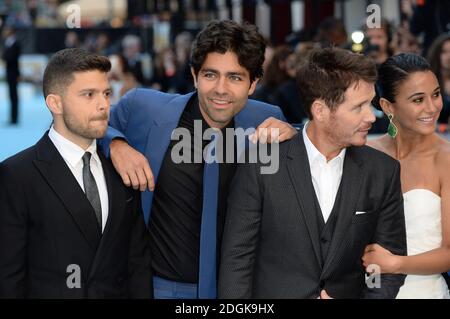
pixel 377 255
pixel 131 165
pixel 266 131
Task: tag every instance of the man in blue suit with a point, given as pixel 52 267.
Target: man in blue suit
pixel 188 204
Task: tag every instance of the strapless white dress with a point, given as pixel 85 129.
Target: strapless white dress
pixel 423 233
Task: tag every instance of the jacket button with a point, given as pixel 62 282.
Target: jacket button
pixel 323 240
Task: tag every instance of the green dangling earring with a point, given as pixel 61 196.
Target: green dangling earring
pixel 392 129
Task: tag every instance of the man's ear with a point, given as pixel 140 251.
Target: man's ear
pixel 194 77
pixel 54 104
pixel 319 110
pixel 386 106
pixel 252 88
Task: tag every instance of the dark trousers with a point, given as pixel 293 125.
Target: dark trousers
pixel 14 99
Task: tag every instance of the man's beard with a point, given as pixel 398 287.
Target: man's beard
pixel 335 135
pixel 85 132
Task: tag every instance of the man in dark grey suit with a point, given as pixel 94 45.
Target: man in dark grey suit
pixel 301 232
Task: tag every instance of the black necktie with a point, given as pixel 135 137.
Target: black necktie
pixel 90 188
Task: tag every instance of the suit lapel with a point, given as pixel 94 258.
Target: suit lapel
pixel 348 195
pixel 300 174
pixel 115 198
pixel 55 171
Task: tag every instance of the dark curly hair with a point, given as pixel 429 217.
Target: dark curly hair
pixel 242 39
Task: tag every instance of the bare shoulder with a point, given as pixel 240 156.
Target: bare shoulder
pixel 443 157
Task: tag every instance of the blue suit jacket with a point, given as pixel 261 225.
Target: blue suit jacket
pixel 146 118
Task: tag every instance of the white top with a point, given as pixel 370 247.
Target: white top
pixel 72 155
pixel 326 175
pixel 423 233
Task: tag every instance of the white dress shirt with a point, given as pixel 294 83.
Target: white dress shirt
pixel 72 155
pixel 326 175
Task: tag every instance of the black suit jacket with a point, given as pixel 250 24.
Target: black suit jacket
pixel 271 245
pixel 47 224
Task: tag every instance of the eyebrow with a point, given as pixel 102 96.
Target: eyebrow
pixel 364 102
pixel 360 104
pixel 94 90
pixel 421 93
pixel 228 73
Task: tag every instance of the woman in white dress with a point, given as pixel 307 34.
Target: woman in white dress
pixel 409 95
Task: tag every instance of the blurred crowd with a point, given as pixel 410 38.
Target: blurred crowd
pixel 423 28
pixel 169 66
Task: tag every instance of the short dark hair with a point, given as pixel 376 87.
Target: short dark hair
pixel 329 72
pixel 63 64
pixel 242 39
pixel 394 71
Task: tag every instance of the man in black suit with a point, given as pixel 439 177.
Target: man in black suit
pixel 301 232
pixel 11 53
pixel 68 226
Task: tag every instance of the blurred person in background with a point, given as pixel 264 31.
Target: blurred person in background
pixel 379 40
pixel 331 32
pixel 102 44
pixel 11 54
pixel 121 78
pixel 268 55
pixel 184 83
pixel 279 70
pixel 89 42
pixel 71 40
pixel 131 50
pixel 404 42
pixel 164 70
pixel 439 59
pixel 379 49
pixel 286 95
pixel 430 17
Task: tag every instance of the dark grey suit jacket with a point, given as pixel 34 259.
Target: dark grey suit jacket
pixel 271 245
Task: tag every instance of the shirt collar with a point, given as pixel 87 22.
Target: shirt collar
pixel 314 154
pixel 71 152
